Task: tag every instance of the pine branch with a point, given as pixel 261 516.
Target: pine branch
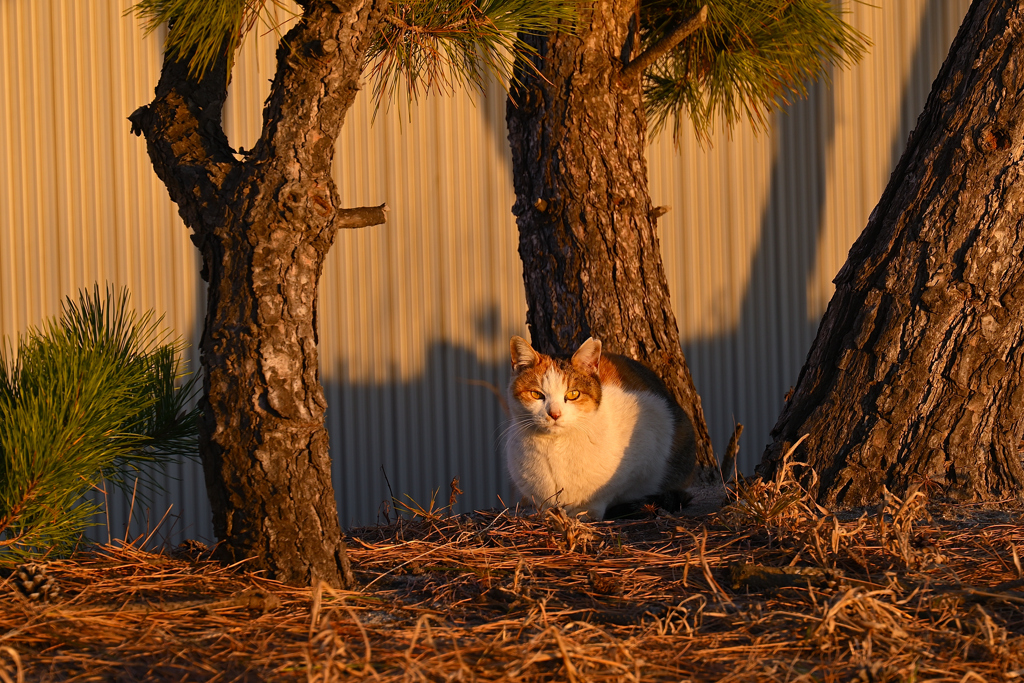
pixel 319 64
pixel 750 58
pixel 204 31
pixel 645 60
pixel 86 398
pixel 427 44
pixel 402 26
pixel 184 137
pixel 438 45
pixel 362 217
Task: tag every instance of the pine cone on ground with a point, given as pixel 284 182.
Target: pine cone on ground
pixel 32 581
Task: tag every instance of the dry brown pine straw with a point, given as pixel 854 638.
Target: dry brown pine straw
pixel 769 588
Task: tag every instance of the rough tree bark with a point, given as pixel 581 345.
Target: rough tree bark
pixel 264 225
pixel 916 371
pixel 587 229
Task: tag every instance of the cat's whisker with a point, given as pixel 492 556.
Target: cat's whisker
pixel 517 423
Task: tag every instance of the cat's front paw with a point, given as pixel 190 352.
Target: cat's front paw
pixel 593 512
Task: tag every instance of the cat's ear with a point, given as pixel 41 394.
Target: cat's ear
pixel 523 355
pixel 588 356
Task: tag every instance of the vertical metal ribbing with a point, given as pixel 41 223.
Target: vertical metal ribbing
pixel 759 226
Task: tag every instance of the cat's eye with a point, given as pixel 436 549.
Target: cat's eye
pixel 572 395
pixel 537 395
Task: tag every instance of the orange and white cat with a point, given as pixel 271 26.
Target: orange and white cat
pixel 593 431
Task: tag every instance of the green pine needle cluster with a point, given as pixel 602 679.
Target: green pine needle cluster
pixel 430 45
pixel 751 57
pixel 438 45
pixel 90 396
pixel 202 29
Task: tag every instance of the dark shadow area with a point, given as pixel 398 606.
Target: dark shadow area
pixel 745 374
pixel 422 431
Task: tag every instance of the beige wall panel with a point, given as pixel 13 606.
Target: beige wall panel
pixel 79 202
pixel 422 304
pixel 413 311
pixel 29 240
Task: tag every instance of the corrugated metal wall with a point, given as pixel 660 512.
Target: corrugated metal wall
pixel 414 310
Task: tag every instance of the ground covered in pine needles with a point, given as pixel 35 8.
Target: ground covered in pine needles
pixel 769 588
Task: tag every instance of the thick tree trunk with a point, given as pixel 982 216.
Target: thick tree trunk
pixel 264 226
pixel 587 230
pixel 916 372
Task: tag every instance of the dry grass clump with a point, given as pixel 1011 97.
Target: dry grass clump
pixel 770 588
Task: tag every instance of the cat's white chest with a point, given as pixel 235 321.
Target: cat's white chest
pixel 617 453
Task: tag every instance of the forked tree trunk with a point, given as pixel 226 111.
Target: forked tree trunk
pixel 587 229
pixel 916 372
pixel 264 226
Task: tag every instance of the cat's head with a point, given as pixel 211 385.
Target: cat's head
pixel 554 392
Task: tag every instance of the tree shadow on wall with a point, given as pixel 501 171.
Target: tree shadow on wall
pixel 745 374
pixel 423 431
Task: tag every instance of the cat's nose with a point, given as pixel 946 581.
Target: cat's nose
pixel 555 414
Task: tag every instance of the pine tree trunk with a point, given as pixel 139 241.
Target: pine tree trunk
pixel 587 232
pixel 264 226
pixel 916 372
